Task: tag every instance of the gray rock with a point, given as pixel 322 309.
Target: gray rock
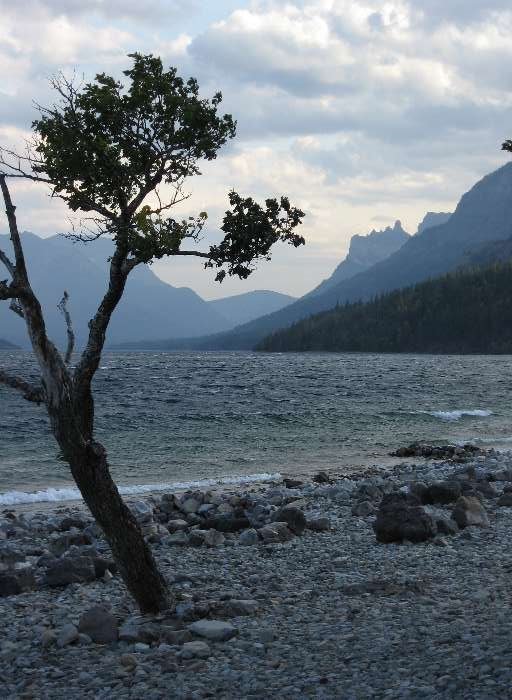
pixel 226 523
pixel 60 543
pixel 505 499
pixel 442 492
pixel 99 624
pixel 293 517
pixel 195 650
pixel 248 537
pixel 215 630
pixel 275 532
pixel 177 525
pixel 446 526
pixel 67 635
pixel 238 608
pixel 15 581
pixel 319 524
pixel 197 537
pixel 179 538
pixel 142 511
pixel 468 512
pixel 485 488
pixel 399 520
pixel 363 509
pixel 213 538
pixel 189 505
pixel 129 631
pixel 48 638
pixel 176 637
pixel 72 521
pixel 66 570
pixel 292 483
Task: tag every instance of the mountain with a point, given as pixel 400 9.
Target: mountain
pixel 364 252
pixel 483 215
pixel 432 218
pixel 150 308
pixel 6 345
pixel 242 308
pixel 468 311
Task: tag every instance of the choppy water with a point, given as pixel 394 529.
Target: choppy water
pixel 182 417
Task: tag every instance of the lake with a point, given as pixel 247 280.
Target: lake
pixel 176 418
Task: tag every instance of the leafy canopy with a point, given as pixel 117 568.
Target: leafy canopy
pixel 106 148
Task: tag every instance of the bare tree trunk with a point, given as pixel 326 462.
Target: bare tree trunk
pixel 132 554
pixel 70 405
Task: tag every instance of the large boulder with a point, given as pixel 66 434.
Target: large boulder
pixel 66 570
pixel 61 543
pixel 399 518
pixel 226 523
pixel 142 511
pixel 99 624
pixel 468 512
pixel 275 533
pixel 293 517
pixel 14 581
pixel 442 492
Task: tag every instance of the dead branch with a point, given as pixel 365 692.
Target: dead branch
pixel 7 262
pixel 31 392
pixel 63 308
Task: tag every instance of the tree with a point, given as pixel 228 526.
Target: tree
pixel 106 149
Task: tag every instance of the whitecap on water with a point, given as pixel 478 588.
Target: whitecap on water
pixel 458 414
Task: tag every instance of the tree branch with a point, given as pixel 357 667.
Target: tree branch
pixel 54 374
pixel 20 270
pixel 91 356
pixel 196 253
pixel 30 392
pixel 7 262
pixel 63 308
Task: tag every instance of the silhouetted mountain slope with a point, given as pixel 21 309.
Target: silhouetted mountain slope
pixel 242 308
pixel 364 252
pixel 468 311
pixel 433 218
pixel 483 215
pixel 5 345
pixel 150 308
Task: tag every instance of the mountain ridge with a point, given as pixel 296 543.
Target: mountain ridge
pixel 466 311
pixel 483 215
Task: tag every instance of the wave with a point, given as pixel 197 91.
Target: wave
pixel 53 495
pixel 457 415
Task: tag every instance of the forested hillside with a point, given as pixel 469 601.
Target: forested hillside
pixel 469 311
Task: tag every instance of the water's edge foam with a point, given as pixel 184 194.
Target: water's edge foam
pixel 53 495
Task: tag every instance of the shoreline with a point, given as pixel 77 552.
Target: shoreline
pixel 304 601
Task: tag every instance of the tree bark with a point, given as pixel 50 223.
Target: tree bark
pixel 132 554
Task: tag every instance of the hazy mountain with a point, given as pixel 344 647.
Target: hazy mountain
pixel 483 215
pixel 242 308
pixel 150 308
pixel 5 345
pixel 432 218
pixel 364 252
pixel 467 311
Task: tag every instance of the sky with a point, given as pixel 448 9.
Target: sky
pixel 361 111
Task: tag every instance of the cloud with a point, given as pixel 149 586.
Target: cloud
pixel 114 10
pixel 360 110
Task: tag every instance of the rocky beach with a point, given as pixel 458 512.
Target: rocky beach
pixel 392 583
